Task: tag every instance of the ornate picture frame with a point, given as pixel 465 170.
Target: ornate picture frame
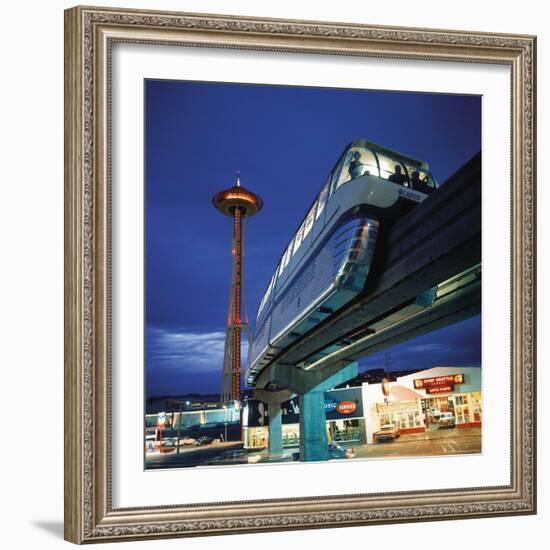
pixel 90 34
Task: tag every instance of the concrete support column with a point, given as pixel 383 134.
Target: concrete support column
pixel 310 386
pixel 313 429
pixel 275 416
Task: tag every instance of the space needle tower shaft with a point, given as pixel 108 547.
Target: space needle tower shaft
pixel 239 204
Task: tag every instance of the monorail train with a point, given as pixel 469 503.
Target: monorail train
pixel 327 262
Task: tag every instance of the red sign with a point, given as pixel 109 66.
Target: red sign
pixel 447 380
pixel 443 388
pixel 346 407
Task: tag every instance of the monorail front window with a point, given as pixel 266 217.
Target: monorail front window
pixel 421 180
pixel 358 161
pixel 392 170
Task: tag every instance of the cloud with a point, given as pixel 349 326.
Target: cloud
pixel 182 352
pixel 426 347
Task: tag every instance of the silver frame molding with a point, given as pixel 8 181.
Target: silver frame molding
pixel 89 35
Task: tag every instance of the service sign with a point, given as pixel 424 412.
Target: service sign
pixel 435 381
pixel 346 407
pixel 349 403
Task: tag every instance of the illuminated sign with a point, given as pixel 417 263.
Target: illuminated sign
pixel 346 407
pixel 410 194
pixel 385 387
pixel 437 381
pixel 442 388
pixel 330 405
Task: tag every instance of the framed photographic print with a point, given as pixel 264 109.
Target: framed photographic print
pixel 300 286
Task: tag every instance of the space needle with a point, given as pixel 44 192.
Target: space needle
pixel 239 204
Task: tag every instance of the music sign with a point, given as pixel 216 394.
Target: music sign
pixel 439 384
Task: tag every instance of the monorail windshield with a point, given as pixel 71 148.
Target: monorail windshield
pixel 360 160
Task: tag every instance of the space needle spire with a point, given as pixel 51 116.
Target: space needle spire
pixel 239 204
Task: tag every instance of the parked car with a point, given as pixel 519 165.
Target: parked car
pixel 203 440
pixel 334 451
pixel 388 432
pixel 447 420
pixel 167 446
pixel 187 441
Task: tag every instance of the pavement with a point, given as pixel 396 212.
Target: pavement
pixel 434 442
pixel 438 442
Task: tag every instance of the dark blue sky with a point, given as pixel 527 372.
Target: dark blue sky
pixel 285 141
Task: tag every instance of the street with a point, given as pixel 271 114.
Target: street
pixel 435 442
pixel 189 456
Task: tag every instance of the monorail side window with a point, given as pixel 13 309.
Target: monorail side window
pixel 336 174
pixel 343 175
pixel 298 239
pixel 322 200
pixel 286 258
pixel 268 291
pixel 308 224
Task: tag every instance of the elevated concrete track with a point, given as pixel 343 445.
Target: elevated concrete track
pixel 426 275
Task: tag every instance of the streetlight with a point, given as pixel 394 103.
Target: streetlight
pixel 225 424
pixel 179 429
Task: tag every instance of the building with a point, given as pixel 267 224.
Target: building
pixel 412 402
pixel 343 409
pixel 220 423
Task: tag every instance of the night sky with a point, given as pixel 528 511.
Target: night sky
pixel 285 141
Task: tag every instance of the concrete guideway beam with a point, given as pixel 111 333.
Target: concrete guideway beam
pixel 454 307
pixel 299 381
pixel 310 386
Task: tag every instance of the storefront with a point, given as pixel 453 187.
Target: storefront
pixel 221 423
pixel 343 409
pixel 416 402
